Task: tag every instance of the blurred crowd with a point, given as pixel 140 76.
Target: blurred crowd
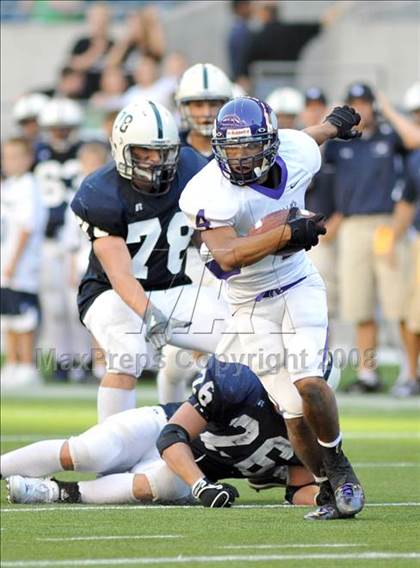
pixel 368 189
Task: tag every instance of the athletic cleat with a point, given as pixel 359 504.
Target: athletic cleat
pixel 349 499
pixel 326 513
pixel 277 479
pixel 348 492
pixel 31 490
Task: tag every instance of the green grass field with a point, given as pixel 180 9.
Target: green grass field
pixel 382 437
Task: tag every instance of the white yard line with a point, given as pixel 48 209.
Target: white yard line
pixel 87 508
pixel 113 537
pixel 209 559
pixel 262 546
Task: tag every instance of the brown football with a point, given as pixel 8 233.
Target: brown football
pixel 276 219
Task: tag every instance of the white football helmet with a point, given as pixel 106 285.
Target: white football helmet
pixel 286 101
pixel 61 113
pixel 29 107
pixel 202 82
pixel 148 125
pixel 412 98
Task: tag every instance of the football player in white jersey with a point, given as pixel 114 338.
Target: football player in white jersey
pixel 278 299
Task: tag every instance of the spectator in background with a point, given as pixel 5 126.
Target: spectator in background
pixel 112 88
pixel 71 84
pixel 276 40
pixel 22 230
pixel 315 109
pixel 239 37
pixel 406 213
pixel 320 197
pixel 149 85
pixel 368 173
pixel 287 103
pixel 25 114
pixel 143 36
pixel 88 54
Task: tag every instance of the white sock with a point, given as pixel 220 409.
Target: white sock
pixel 332 444
pixel 111 401
pixel 36 460
pixel 116 488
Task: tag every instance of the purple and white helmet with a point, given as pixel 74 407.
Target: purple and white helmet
pixel 245 123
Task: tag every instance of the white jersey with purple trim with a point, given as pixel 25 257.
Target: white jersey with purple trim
pixel 210 201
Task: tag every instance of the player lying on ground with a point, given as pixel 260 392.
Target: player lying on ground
pixel 240 435
pixel 276 295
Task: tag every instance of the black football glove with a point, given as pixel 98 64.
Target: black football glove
pixel 305 230
pixel 345 118
pixel 214 494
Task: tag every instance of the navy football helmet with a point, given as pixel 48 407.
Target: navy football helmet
pixel 245 140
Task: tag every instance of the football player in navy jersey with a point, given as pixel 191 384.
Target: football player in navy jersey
pixel 202 91
pixel 135 296
pixel 235 432
pixel 57 169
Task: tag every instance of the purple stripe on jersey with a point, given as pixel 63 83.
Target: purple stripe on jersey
pixel 279 190
pixel 200 220
pixel 277 291
pixel 216 269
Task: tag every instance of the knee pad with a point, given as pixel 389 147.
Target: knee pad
pixel 165 485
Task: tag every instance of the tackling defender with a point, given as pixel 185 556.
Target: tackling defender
pixel 234 429
pixel 278 300
pixel 135 295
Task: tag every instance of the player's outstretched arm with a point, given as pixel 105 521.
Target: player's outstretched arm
pixel 340 123
pixel 231 251
pixel 115 259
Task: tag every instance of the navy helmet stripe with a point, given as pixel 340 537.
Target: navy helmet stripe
pixel 205 77
pixel 158 119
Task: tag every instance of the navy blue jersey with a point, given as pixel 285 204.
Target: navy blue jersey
pixel 154 228
pixel 245 436
pixel 183 136
pixel 369 172
pixel 320 195
pixel 57 173
pixel 411 192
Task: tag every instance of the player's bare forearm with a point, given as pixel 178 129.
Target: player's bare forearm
pixel 231 251
pixel 115 259
pixel 321 132
pixel 179 457
pixel 180 460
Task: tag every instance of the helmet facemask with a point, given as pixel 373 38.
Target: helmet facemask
pixel 151 177
pixel 200 122
pixel 252 167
